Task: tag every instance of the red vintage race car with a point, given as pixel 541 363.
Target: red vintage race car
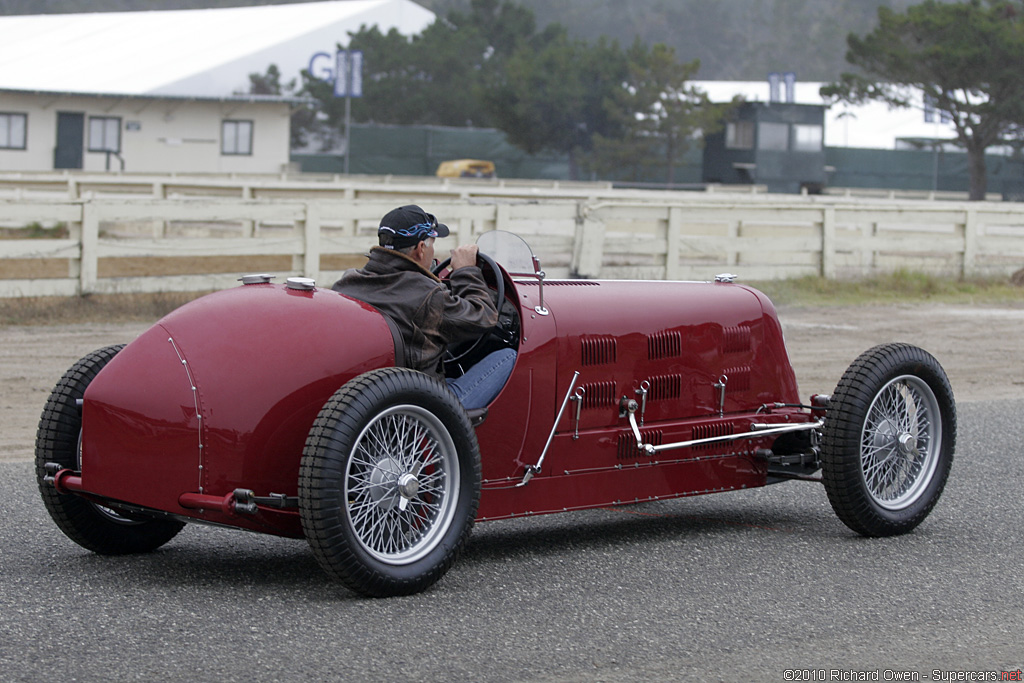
pixel 285 409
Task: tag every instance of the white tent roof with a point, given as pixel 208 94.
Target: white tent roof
pixel 872 125
pixel 208 52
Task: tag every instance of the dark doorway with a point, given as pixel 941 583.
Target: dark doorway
pixel 70 140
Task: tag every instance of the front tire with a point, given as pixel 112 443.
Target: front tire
pixel 98 528
pixel 389 483
pixel 888 440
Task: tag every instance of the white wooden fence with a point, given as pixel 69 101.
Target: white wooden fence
pixel 78 185
pixel 578 231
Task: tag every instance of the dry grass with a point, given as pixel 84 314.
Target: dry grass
pixel 94 308
pixel 898 287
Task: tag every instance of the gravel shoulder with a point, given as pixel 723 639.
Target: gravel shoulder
pixel 980 348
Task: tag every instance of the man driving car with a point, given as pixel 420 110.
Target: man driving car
pixel 397 281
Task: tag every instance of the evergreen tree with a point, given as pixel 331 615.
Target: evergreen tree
pixel 551 94
pixel 963 59
pixel 659 112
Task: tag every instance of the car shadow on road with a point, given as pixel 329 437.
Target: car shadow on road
pixel 633 525
pixel 197 558
pixel 201 558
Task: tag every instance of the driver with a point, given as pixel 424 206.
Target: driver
pixel 397 281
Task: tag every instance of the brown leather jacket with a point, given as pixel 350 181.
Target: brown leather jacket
pixel 427 314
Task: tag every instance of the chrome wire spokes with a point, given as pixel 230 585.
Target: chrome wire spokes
pixel 899 442
pixel 402 484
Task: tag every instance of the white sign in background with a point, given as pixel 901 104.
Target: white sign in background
pixel 344 69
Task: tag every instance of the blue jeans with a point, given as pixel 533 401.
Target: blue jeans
pixel 482 382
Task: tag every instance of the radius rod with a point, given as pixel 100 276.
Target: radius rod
pixel 756 431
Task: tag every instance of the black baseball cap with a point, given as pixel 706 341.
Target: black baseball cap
pixel 408 225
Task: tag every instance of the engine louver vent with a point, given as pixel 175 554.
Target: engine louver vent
pixel 597 350
pixel 736 339
pixel 665 388
pixel 627 443
pixel 599 395
pixel 739 378
pixel 561 283
pixel 666 344
pixel 708 431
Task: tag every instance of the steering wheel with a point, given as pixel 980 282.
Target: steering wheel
pixel 482 260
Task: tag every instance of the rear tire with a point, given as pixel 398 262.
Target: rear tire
pixel 390 482
pixel 888 440
pixel 98 528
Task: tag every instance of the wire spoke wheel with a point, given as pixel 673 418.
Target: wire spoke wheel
pixel 401 484
pixel 390 482
pixel 899 447
pixel 888 441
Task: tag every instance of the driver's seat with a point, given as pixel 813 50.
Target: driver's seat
pixel 396 334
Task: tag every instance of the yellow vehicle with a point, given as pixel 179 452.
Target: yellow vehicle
pixel 466 168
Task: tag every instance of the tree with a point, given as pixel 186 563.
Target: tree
pixel 961 58
pixel 303 117
pixel 546 91
pixel 435 78
pixel 269 83
pixel 551 93
pixel 486 66
pixel 658 111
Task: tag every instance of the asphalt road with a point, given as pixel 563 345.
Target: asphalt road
pixel 731 586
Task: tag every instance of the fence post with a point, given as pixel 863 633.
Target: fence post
pixel 88 271
pixel 461 228
pixel 828 243
pixel 672 240
pixel 587 244
pixel 249 227
pixel 159 226
pixel 733 230
pixel 311 240
pixel 970 243
pixel 868 255
pixel 501 217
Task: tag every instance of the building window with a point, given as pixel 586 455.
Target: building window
pixel 773 136
pixel 105 134
pixel 739 135
pixel 236 137
pixel 807 138
pixel 12 130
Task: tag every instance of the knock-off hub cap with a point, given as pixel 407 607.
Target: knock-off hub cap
pixel 908 444
pixel 408 485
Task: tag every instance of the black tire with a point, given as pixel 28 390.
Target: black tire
pixel 380 517
pixel 95 527
pixel 888 440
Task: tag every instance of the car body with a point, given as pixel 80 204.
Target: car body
pixel 466 168
pixel 284 409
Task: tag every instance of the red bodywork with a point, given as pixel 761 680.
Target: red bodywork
pixel 220 395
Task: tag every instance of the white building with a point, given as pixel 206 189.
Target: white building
pixel 42 131
pixel 873 125
pixel 164 90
